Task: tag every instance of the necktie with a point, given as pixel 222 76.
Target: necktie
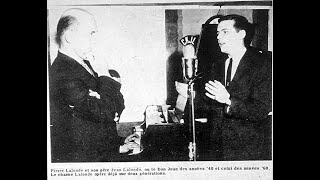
pixel 90 67
pixel 228 79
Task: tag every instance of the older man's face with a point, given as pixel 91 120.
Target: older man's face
pixel 85 39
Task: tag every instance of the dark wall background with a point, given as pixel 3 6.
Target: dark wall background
pixel 174 27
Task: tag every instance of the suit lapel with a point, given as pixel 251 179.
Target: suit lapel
pixel 223 70
pixel 242 69
pixel 75 66
pixel 83 70
pixel 217 71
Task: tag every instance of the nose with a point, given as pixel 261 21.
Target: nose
pixel 93 39
pixel 219 36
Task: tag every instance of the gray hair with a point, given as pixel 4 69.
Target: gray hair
pixel 68 19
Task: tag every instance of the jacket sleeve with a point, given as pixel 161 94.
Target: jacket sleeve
pixel 203 104
pixel 76 93
pixel 111 97
pixel 259 103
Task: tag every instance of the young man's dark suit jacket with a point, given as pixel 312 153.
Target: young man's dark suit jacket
pixel 82 126
pixel 246 128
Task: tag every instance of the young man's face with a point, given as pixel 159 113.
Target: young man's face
pixel 228 38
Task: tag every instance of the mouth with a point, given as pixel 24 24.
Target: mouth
pixel 221 44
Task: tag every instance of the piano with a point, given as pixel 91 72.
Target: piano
pixel 166 139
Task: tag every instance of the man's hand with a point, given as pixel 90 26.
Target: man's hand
pixel 94 94
pixel 131 138
pixel 128 146
pixel 216 91
pixel 182 88
pixel 131 142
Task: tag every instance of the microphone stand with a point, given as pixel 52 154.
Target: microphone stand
pixel 190 75
pixel 192 145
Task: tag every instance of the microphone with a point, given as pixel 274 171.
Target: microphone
pixel 189 60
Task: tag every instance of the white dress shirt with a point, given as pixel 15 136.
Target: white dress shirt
pixel 235 63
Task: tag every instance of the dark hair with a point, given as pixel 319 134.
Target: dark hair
pixel 241 23
pixel 64 23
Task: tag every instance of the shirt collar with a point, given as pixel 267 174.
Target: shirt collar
pixel 73 56
pixel 237 57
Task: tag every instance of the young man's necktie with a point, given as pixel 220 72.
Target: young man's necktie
pixel 228 79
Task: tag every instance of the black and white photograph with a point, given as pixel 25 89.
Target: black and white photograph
pixel 160 89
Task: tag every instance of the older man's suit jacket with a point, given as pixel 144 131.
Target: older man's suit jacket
pixel 246 127
pixel 82 126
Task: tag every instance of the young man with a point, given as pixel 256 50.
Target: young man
pixel 83 105
pixel 240 89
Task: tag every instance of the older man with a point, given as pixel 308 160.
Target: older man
pixel 83 105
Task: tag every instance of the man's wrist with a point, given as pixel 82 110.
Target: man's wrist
pixel 121 150
pixel 228 102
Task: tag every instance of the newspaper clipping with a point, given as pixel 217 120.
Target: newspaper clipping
pixel 135 90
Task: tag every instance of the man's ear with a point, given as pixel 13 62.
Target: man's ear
pixel 68 36
pixel 242 33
